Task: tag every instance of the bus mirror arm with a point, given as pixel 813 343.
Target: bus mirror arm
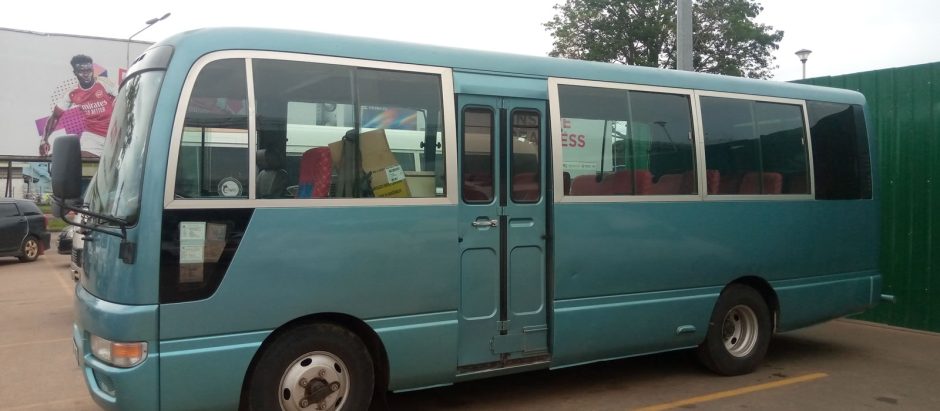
pixel 128 249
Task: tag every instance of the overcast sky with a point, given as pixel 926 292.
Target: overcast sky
pixel 846 36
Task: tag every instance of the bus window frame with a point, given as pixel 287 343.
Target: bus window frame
pixel 556 154
pixel 449 131
pixel 808 142
pixel 698 141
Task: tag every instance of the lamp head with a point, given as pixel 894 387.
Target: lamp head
pixel 803 54
pixel 155 19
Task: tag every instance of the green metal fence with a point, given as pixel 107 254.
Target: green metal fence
pixel 904 104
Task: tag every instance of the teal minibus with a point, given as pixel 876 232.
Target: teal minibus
pixel 296 221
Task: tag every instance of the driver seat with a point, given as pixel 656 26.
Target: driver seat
pixel 272 178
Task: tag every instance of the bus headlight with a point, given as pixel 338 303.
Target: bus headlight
pixel 118 354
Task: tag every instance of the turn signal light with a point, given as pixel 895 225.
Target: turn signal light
pixel 118 354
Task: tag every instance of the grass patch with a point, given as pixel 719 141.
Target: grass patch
pixel 55 223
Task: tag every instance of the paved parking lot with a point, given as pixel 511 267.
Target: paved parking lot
pixel 839 365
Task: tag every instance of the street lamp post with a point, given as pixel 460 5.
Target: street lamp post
pixel 149 23
pixel 803 54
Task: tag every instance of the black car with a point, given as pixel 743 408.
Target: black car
pixel 23 231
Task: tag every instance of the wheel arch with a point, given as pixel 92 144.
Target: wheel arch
pixel 767 293
pixel 355 325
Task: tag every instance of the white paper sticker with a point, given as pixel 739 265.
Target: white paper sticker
pixel 191 253
pixel 192 231
pixel 395 174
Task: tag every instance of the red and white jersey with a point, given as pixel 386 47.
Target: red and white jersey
pixel 96 102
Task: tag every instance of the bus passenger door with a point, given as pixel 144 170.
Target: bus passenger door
pixel 503 320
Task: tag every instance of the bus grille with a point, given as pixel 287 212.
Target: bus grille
pixel 77 257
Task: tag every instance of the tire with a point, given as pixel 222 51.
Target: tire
pixel 30 249
pixel 309 366
pixel 738 332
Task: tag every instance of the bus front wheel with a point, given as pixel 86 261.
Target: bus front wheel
pixel 738 332
pixel 313 367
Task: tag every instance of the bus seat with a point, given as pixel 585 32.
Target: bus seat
pixel 316 173
pixel 586 185
pixel 622 182
pixel 525 187
pixel 472 193
pixel 712 181
pixel 272 178
pixel 797 184
pixel 669 184
pixel 566 182
pixel 729 184
pixel 477 187
pixel 772 183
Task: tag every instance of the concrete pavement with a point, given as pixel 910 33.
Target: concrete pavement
pixel 839 365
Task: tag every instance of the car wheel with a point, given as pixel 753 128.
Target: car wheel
pixel 738 333
pixel 30 250
pixel 312 367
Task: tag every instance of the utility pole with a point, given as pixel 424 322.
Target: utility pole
pixel 684 35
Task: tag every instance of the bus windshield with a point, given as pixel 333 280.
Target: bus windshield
pixel 115 190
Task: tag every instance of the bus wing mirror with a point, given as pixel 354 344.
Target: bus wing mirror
pixel 66 168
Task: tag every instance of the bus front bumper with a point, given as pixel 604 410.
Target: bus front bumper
pixel 116 388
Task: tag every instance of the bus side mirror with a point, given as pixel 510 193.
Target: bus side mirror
pixel 66 168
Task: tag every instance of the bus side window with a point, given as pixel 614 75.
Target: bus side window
pixel 301 108
pixel 618 142
pixel 317 114
pixel 757 147
pixel 477 162
pixel 213 154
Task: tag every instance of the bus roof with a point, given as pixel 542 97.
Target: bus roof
pixel 190 45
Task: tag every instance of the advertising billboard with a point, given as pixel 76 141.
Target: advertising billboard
pixel 58 84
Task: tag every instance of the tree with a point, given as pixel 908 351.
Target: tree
pixel 726 39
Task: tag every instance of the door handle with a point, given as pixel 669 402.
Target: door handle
pixel 485 222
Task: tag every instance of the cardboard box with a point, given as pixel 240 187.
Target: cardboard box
pixel 387 178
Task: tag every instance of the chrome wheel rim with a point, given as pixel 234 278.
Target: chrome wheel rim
pixel 739 331
pixel 31 249
pixel 317 381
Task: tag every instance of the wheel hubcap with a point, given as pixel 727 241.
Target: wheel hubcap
pixel 739 331
pixel 32 249
pixel 314 381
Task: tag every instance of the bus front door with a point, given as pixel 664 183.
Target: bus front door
pixel 503 285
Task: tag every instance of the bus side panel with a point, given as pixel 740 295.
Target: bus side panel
pixel 804 303
pixel 420 349
pixel 365 262
pixel 219 361
pixel 623 250
pixel 617 326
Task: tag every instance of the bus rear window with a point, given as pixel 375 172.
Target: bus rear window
pixel 841 161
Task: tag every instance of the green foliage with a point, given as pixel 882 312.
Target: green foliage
pixel 726 40
pixel 56 224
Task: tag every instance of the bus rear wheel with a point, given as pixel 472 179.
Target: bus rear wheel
pixel 738 332
pixel 313 367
